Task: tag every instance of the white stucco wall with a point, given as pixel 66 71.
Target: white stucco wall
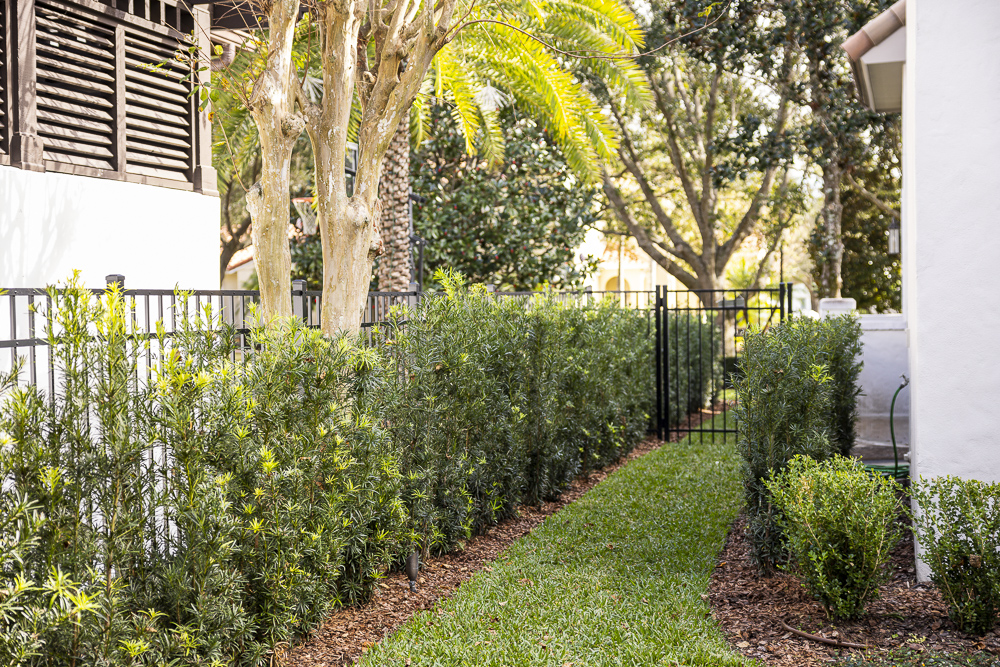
pixel 51 224
pixel 954 225
pixel 885 358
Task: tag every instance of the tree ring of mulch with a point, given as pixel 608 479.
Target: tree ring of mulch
pixel 750 610
pixel 350 631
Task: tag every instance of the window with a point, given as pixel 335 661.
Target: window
pixel 114 86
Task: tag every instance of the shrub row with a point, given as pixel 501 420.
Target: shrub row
pixel 693 369
pixel 797 395
pixel 211 514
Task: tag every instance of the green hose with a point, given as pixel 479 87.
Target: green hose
pixel 892 433
pixel 892 428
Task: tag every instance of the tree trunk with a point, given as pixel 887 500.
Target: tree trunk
pixel 395 266
pixel 832 245
pixel 272 107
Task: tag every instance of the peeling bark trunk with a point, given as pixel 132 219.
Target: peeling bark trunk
pixel 832 245
pixel 272 107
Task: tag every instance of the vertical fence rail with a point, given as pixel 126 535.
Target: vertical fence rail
pixel 699 341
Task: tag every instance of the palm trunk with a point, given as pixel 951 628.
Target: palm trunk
pixel 394 269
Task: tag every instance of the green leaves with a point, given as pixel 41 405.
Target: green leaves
pixel 515 224
pixel 840 524
pixel 958 527
pixel 518 52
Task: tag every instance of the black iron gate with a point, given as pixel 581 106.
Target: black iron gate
pixel 699 339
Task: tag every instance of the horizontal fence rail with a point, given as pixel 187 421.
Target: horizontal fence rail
pixel 27 313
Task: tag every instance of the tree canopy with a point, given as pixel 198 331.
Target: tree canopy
pixel 516 224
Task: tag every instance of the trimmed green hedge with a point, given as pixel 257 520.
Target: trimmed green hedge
pixel 693 369
pixel 797 395
pixel 216 512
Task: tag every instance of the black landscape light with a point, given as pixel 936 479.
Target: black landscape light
pixel 412 568
pixel 894 237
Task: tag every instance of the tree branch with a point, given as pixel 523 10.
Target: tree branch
pixel 870 196
pixel 642 238
pixel 675 153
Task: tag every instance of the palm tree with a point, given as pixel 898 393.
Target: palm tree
pixel 496 63
pixel 378 55
pixel 394 224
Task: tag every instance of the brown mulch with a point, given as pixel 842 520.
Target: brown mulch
pixel 750 610
pixel 349 631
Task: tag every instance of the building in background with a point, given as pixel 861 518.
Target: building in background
pixel 939 62
pixel 105 156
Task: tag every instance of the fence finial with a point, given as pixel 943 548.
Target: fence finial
pixel 115 278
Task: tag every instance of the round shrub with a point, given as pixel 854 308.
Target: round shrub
pixel 839 522
pixel 958 527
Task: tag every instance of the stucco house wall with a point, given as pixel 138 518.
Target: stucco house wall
pixel 951 156
pixel 952 159
pixel 157 237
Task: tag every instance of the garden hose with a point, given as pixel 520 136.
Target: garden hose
pixel 898 472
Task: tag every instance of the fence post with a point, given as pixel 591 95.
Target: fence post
pixel 657 307
pixel 781 302
pixel 414 298
pixel 115 279
pixel 588 292
pixel 299 306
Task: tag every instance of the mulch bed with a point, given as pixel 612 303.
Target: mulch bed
pixel 750 610
pixel 349 631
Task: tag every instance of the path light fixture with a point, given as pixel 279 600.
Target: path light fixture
pixel 894 237
pixel 412 568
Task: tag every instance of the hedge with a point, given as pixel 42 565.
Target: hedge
pixel 796 394
pixel 216 512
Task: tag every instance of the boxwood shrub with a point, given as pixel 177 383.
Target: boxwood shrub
pixel 840 523
pixel 958 527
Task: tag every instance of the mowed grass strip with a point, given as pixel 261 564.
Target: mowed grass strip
pixel 613 579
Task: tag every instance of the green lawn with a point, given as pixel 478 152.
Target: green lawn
pixel 614 579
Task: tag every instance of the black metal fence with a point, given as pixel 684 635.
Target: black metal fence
pixel 699 340
pixel 27 313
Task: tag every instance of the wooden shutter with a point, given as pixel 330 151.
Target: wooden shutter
pixel 4 121
pixel 159 106
pixel 76 84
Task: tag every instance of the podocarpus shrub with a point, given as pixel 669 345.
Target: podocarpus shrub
pixel 958 527
pixel 209 514
pixel 783 410
pixel 504 400
pixel 210 511
pixel 839 522
pixel 840 345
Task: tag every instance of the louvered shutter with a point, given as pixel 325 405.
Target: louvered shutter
pixel 160 108
pixel 75 72
pixel 4 121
